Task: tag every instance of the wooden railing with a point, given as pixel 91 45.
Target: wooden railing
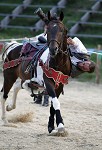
pixel 16 13
pixel 84 21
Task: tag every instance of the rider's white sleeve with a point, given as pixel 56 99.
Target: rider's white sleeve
pixel 78 47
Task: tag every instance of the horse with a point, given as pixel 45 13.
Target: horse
pixel 56 71
pixel 59 67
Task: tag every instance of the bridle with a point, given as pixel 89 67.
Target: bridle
pixel 60 44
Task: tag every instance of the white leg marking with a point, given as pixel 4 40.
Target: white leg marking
pixel 60 126
pixel 3 109
pixel 16 88
pixel 56 103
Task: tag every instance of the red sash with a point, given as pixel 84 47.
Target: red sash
pixel 13 63
pixel 57 76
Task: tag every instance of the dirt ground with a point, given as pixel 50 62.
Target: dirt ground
pixel 81 108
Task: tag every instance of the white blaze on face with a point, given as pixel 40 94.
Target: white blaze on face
pixel 54 25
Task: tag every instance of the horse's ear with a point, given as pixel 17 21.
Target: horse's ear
pixel 49 15
pixel 61 16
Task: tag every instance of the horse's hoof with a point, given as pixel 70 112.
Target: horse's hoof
pixel 50 129
pixel 59 133
pixel 61 129
pixel 9 108
pixel 53 132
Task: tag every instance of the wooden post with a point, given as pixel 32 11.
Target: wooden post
pixel 98 63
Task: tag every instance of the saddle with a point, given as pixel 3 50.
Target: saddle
pixel 33 47
pixel 29 55
pixel 34 50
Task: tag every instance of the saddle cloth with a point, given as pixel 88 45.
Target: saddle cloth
pixel 27 49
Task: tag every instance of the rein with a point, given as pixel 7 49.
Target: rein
pixel 55 41
pixel 59 47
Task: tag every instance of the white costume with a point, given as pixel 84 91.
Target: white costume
pixel 78 47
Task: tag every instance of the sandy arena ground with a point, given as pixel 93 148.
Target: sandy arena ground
pixel 81 108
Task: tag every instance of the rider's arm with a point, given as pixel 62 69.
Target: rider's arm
pixel 70 41
pixel 76 45
pixel 72 44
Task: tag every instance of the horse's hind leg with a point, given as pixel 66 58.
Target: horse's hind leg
pixel 3 115
pixel 4 94
pixel 16 88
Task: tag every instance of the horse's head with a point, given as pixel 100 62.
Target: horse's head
pixel 56 34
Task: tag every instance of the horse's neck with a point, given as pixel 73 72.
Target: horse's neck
pixel 61 63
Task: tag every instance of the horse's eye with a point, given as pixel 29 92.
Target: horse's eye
pixel 66 31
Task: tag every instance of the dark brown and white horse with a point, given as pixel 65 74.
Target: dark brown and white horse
pixel 60 62
pixel 55 72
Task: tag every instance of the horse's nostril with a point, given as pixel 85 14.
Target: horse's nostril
pixel 53 52
pixel 56 48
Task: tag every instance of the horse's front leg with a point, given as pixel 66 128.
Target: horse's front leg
pixel 54 109
pixel 16 88
pixel 59 120
pixel 51 119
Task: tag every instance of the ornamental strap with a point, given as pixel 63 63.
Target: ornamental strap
pixel 13 63
pixel 57 76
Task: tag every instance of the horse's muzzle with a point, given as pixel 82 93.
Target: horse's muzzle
pixel 53 52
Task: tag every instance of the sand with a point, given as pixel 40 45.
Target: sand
pixel 81 108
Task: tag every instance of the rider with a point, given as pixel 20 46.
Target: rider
pixel 79 59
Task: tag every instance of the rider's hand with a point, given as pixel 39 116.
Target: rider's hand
pixel 70 41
